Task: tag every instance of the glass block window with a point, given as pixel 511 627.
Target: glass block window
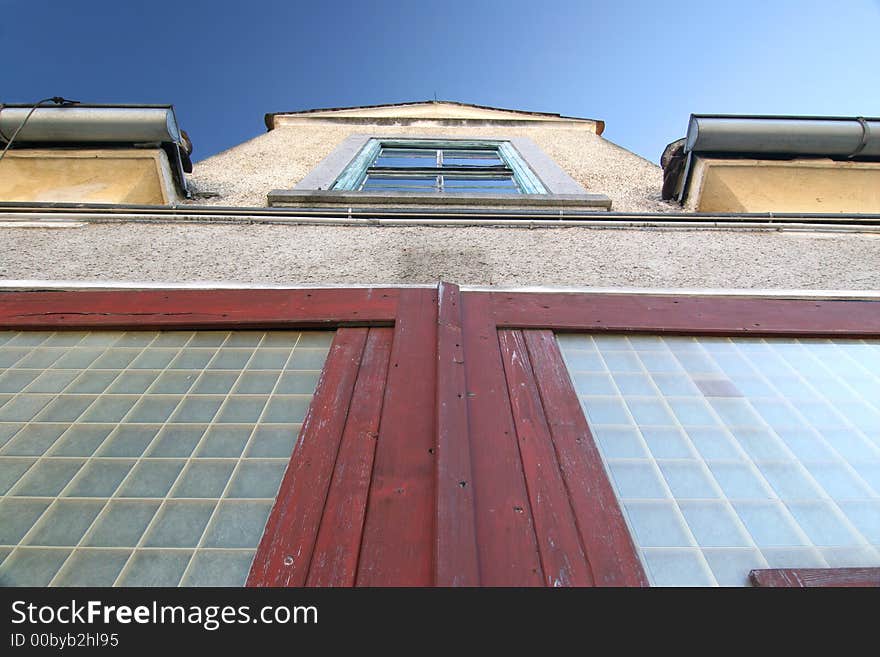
pixel 135 458
pixel 425 166
pixel 734 454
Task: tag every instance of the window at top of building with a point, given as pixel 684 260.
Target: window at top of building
pixel 420 166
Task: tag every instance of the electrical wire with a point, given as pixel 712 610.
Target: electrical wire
pixel 58 100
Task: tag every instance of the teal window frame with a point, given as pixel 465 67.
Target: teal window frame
pixel 353 176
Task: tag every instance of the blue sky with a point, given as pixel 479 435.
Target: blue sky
pixel 641 66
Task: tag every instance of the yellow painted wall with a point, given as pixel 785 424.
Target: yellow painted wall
pixel 141 177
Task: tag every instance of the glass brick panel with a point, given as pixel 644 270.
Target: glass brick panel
pixel 732 454
pixel 146 458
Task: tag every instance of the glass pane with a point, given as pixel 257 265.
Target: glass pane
pixel 471 158
pixel 406 158
pixel 150 458
pixel 733 454
pixel 400 183
pixel 481 184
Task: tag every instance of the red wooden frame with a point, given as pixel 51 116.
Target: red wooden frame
pixel 815 577
pixel 450 449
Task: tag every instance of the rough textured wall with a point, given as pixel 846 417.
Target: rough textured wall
pixel 279 159
pixel 326 255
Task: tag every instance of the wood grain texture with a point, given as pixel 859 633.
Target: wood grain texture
pixel 604 534
pixel 398 540
pixel 197 308
pixel 337 548
pixel 506 540
pixel 456 560
pixel 285 550
pixel 562 555
pixel 692 315
pixel 816 577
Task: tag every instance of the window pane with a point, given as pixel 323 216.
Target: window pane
pixel 764 453
pixel 486 184
pixel 400 183
pixel 472 158
pixel 407 158
pixel 156 453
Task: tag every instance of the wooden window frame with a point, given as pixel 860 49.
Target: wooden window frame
pixel 445 444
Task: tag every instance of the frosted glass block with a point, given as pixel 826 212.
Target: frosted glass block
pixel 251 338
pixel 619 442
pixel 100 478
pixel 179 524
pixel 39 358
pixel 307 359
pixel 224 441
pixel 8 430
pixel 792 557
pixel 215 383
pixel 865 517
pixel 176 440
pixel 64 523
pixel 612 342
pixel 203 479
pixel 820 415
pixel 735 412
pixel 122 524
pixel 739 481
pixel 241 410
pixel 822 524
pixel 870 474
pixel 605 411
pixel 33 440
pixel 92 568
pixel 81 440
pixel 789 480
pixel 768 523
pixel 237 524
pixel 192 359
pixel 270 359
pixel 257 478
pixel 172 339
pixel 657 524
pixel 136 339
pixel 851 557
pixel 584 361
pixel 838 481
pixel 155 568
pixel 667 443
pixel 760 444
pixel 660 362
pixel 231 359
pixel 273 442
pixel 850 445
pixel 622 361
pixel 675 384
pixel 713 444
pixel 692 412
pixel 732 567
pixel 154 359
pixel 697 363
pixel 65 408
pixel 129 440
pixel 256 383
pixel 208 339
pixel 48 477
pixel 286 409
pixel 806 444
pixel 101 338
pixel 153 408
pixel 17 516
pixel 688 480
pixel 77 359
pixel 10 356
pixel 795 389
pixel 23 408
pixel 115 359
pixel 632 384
pixel 303 383
pixel 174 382
pixel 32 566
pixel 152 478
pixel 636 480
pixel 753 387
pixel 53 380
pixel 110 408
pixel 11 470
pixel 132 382
pixel 778 414
pixel 219 568
pixel 29 338
pixel 677 568
pixel 14 381
pixel 588 383
pixel 713 524
pixel 197 409
pixel 314 338
pixel 92 382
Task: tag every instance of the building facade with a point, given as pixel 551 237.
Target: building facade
pixel 438 344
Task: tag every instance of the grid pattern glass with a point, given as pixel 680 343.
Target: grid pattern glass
pixel 137 458
pixel 734 454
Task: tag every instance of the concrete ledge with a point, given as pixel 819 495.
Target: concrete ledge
pixel 307 197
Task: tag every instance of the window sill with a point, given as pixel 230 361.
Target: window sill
pixel 280 198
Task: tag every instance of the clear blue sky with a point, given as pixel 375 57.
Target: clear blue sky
pixel 642 66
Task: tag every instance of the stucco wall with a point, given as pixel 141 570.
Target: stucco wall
pixel 322 255
pixel 243 175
